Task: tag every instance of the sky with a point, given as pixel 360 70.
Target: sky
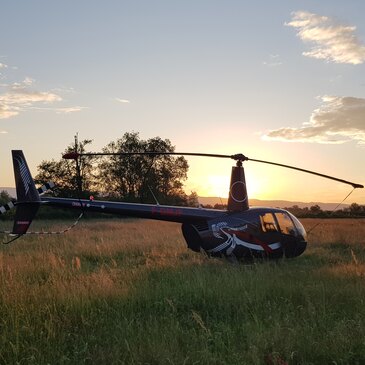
pixel 282 81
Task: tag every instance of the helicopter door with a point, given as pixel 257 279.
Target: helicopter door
pixel 268 223
pixel 288 234
pixel 270 232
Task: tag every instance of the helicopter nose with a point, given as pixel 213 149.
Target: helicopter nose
pixel 295 249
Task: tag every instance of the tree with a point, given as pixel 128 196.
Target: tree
pixel 315 209
pixel 134 177
pixel 355 209
pixel 71 179
pixel 193 199
pixel 5 197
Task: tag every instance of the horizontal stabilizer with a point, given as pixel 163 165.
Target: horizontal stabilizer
pixel 44 188
pixel 6 207
pixel 47 186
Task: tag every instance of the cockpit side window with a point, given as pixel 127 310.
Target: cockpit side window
pixel 268 223
pixel 286 225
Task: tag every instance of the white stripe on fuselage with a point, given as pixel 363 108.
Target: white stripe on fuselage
pixel 234 241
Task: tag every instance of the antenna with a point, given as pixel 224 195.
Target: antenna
pixel 154 197
pixel 78 167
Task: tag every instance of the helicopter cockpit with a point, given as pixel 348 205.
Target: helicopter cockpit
pixel 283 222
pixel 287 228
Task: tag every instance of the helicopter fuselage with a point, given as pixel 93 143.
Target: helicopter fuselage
pixel 256 232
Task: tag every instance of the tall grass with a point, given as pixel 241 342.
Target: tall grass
pixel 129 292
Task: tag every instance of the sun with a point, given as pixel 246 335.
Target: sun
pixel 213 180
pixel 217 186
pixel 254 187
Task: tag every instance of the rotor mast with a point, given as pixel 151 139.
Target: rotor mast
pixel 237 199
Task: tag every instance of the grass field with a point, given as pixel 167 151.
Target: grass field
pixel 129 292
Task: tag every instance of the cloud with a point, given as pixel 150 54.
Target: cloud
pixel 72 109
pixel 7 112
pixel 65 110
pixel 337 120
pixel 124 101
pixel 21 96
pixel 2 68
pixel 331 41
pixel 273 61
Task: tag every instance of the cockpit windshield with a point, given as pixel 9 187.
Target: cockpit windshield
pixel 286 225
pixel 299 226
pixel 282 222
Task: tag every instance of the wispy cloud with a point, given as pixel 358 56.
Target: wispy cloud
pixel 124 101
pixel 72 109
pixel 3 66
pixel 62 110
pixel 19 97
pixel 273 61
pixel 331 41
pixel 337 120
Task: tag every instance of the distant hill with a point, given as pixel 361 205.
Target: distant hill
pixel 271 203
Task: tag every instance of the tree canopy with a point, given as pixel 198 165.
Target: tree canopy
pixel 71 180
pixel 134 177
pixel 130 178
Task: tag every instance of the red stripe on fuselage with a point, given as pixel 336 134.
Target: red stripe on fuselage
pixel 248 237
pixel 170 212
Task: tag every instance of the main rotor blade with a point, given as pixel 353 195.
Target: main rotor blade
pixel 237 157
pixel 354 185
pixel 74 155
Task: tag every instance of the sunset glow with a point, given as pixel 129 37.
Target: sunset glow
pixel 217 185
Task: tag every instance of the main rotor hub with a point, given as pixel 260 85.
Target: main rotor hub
pixel 239 157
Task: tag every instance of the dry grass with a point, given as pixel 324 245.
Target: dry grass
pixel 344 231
pixel 96 259
pixel 339 241
pixel 129 292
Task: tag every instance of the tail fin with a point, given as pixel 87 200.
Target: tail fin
pixel 27 194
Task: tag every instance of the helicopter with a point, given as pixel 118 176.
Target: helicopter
pixel 239 232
